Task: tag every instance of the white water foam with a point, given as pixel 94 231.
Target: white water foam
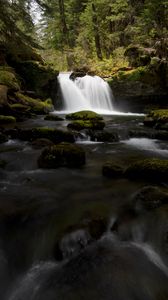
pixel 147 145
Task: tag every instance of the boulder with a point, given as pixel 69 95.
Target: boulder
pixel 84 115
pixel 88 124
pixel 103 136
pixel 113 170
pixel 150 169
pixel 3 95
pixel 54 135
pixel 62 155
pixel 149 198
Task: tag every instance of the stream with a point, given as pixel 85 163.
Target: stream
pixel 46 249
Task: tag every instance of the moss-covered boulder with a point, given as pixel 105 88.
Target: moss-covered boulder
pixel 54 135
pixel 52 117
pixel 149 198
pixel 154 170
pixel 84 115
pixel 9 78
pixel 103 136
pixel 113 170
pixel 62 155
pixel 138 55
pixel 88 124
pixel 157 118
pixel 7 119
pixel 3 138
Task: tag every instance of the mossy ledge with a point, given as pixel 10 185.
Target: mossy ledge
pixel 62 155
pixel 157 118
pixel 7 119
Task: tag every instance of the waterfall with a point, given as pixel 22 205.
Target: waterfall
pixel 85 93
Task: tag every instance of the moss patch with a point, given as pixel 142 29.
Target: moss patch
pixel 7 119
pixel 80 124
pixel 62 155
pixel 54 135
pixel 36 105
pixel 84 115
pixel 8 78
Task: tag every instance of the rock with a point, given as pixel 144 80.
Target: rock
pixel 7 119
pixel 84 115
pixel 55 135
pixel 156 118
pixel 150 169
pixel 36 106
pixel 3 138
pixel 40 143
pixel 113 170
pixel 88 124
pixel 139 56
pixel 149 198
pixel 9 78
pixel 53 118
pixel 103 136
pixel 62 155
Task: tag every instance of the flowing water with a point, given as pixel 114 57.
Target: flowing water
pixel 58 233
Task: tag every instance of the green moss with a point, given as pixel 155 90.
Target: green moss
pixel 148 169
pixel 62 155
pixel 84 115
pixel 160 115
pixel 93 125
pixel 55 135
pixel 8 78
pixel 35 105
pixel 7 119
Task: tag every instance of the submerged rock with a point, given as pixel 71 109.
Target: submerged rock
pixel 53 118
pixel 149 197
pixel 40 143
pixel 153 169
pixel 84 115
pixel 62 155
pixel 103 136
pixel 88 124
pixel 55 135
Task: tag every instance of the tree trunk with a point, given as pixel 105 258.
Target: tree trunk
pixel 63 22
pixel 96 32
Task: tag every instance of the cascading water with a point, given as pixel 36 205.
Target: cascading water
pixel 85 93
